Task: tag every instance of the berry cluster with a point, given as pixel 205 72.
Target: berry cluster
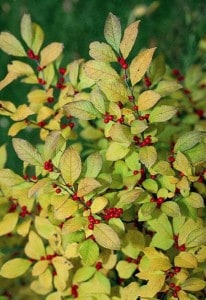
pixel 55 186
pixel 175 288
pixel 133 260
pixel 108 117
pixel 146 142
pixel 48 257
pixel 41 124
pixel 122 62
pixel 48 166
pixel 145 117
pixel 24 212
pixel 112 212
pixel 178 75
pixel 92 222
pixel 31 55
pixel 147 81
pixel 158 201
pixel 172 272
pixel 60 84
pixel 74 291
pixel 177 246
pixel 75 197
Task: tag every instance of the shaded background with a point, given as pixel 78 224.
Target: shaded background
pixel 175 27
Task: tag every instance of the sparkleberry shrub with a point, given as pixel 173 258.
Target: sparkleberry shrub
pixel 110 205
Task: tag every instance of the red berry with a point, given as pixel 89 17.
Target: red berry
pixel 147 81
pixel 98 265
pixel 172 285
pixel 174 294
pixel 135 172
pixel 75 197
pixel 182 248
pixel 58 190
pixel 175 72
pixel 62 71
pixel 120 104
pixel 31 54
pixel 91 219
pixel 50 99
pixel 41 81
pixel 125 66
pixel 91 226
pixel 71 125
pixel 135 107
pixel 177 269
pixel 41 123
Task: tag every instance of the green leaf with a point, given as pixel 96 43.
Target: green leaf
pixel 9 178
pixel 97 287
pixel 146 210
pixel 162 113
pixel 53 144
pixel 116 151
pixel 125 269
pixel 114 90
pixel 150 185
pixel 188 140
pixel 102 52
pixel 129 197
pixel 182 164
pixel 15 268
pixel 26 152
pixel 166 88
pixel 27 30
pixel 129 38
pixel 8 223
pixel 197 154
pixel 83 274
pixel 164 168
pixel 193 284
pixel 38 186
pixel 140 64
pixel 94 165
pixel 157 69
pixel 106 237
pixel 170 208
pixel 112 31
pixel 82 109
pixel 133 242
pixel 70 165
pixel 147 100
pixel 138 126
pixel 148 156
pixel 89 252
pixel 10 44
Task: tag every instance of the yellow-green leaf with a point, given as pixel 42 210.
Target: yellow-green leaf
pixel 94 165
pixel 40 267
pixel 26 152
pixel 112 31
pixel 44 227
pixel 82 109
pixel 98 70
pixel 11 45
pixel 182 164
pixel 70 165
pixel 114 90
pixel 89 252
pixel 64 207
pixel 6 81
pixel 73 225
pixel 8 223
pixel 53 144
pixel 9 178
pixel 50 53
pixel 188 140
pixel 22 112
pixel 129 292
pixel 162 113
pixel 125 269
pixel 16 127
pixel 186 260
pixel 129 38
pixel 20 68
pixel 147 100
pixel 38 38
pixel 148 156
pixel 106 237
pixel 193 284
pixel 98 204
pixel 196 237
pixel 165 87
pixel 97 100
pixel 3 156
pixel 170 208
pixel 15 268
pixel 116 151
pixel 86 186
pixel 102 52
pixel 121 134
pixel 140 64
pixel 35 246
pixel 138 126
pixel 129 197
pixel 195 200
pixel 26 29
pixel 83 274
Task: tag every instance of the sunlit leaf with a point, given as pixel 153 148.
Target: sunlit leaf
pixel 112 31
pixel 15 267
pixel 162 113
pixel 193 284
pixel 3 156
pixel 16 128
pixel 188 140
pixel 114 90
pixel 8 223
pixel 89 252
pixel 129 38
pixel 98 204
pixel 94 165
pixel 63 207
pixel 147 100
pixel 98 70
pixel 53 143
pixel 20 68
pixel 50 53
pixel 102 52
pixel 38 38
pixel 185 260
pixel 44 227
pixel 35 246
pixel 165 87
pixel 125 269
pixel 22 112
pixel 82 109
pixel 170 208
pixel 86 186
pixel 106 237
pixel 26 29
pixel 97 100
pixel 9 178
pixel 120 133
pixel 7 80
pixel 10 44
pixel 116 151
pixel 148 156
pixel 83 274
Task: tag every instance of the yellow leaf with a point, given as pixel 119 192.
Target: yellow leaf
pixel 38 186
pixel 64 207
pixel 16 127
pixel 20 68
pixel 38 38
pixel 193 284
pixel 94 165
pixel 44 113
pixel 23 228
pixel 43 285
pixel 7 80
pixel 182 164
pixel 10 44
pixel 73 225
pixel 133 242
pixel 112 31
pixel 140 64
pixel 37 96
pixel 125 269
pixel 129 38
pixel 22 112
pixel 185 260
pixel 129 292
pixel 82 109
pixel 86 186
pixel 102 52
pixel 9 178
pixel 26 29
pixel 154 285
pixel 106 237
pixel 50 53
pixel 44 227
pixel 114 90
pixel 148 156
pixel 121 134
pixel 98 70
pixel 147 100
pixel 70 165
pixel 40 267
pixel 35 247
pixel 3 156
pixel 129 197
pixel 8 223
pixel 98 204
pixel 97 100
pixel 15 267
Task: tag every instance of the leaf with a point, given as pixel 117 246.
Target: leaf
pixel 97 287
pixel 16 128
pixel 89 252
pixel 196 237
pixel 116 151
pixel 15 268
pixel 138 126
pixel 10 44
pixel 26 152
pixel 148 156
pixel 162 113
pixel 53 144
pixel 22 112
pixel 186 260
pixel 129 292
pixel 50 53
pixel 193 284
pixel 7 80
pixel 140 64
pixel 129 197
pixel 20 68
pixel 86 186
pixel 170 208
pixel 125 269
pixel 102 52
pixel 133 242
pixel 63 207
pixel 157 69
pixel 154 285
pixel 3 157
pixel 98 204
pixel 40 267
pixel 112 31
pixel 147 100
pixel 97 100
pixel 182 164
pixel 38 38
pixel 195 200
pixel 34 248
pixel 106 237
pixel 114 90
pixel 121 134
pixel 98 70
pixel 73 225
pixel 44 227
pixel 82 109
pixel 8 223
pixel 9 178
pixel 166 88
pixel 188 140
pixel 129 38
pixel 93 165
pixel 197 154
pixel 26 29
pixel 83 274
pixel 70 165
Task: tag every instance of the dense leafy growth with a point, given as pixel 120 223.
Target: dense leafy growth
pixel 110 205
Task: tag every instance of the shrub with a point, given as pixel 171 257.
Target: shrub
pixel 110 202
